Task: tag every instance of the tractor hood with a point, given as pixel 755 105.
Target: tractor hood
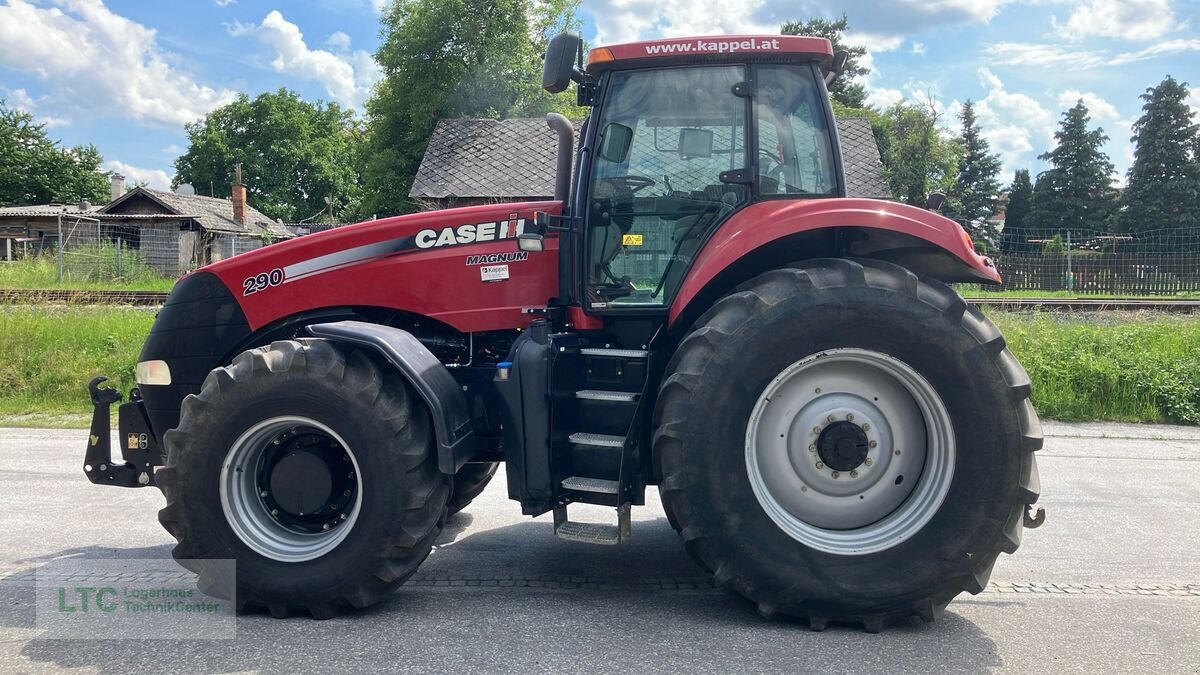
pixel 460 266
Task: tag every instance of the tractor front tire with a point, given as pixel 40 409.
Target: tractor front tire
pixel 843 441
pixel 469 483
pixel 311 467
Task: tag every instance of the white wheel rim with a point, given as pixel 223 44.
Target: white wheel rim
pixel 251 517
pixel 904 431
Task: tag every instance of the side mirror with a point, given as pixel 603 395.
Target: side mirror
pixel 615 145
pixel 935 202
pixel 559 69
pixel 836 67
pixel 695 143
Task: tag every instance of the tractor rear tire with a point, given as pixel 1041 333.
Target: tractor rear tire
pixel 280 427
pixel 469 483
pixel 778 434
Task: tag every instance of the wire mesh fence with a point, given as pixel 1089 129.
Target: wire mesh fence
pixel 80 250
pixel 1094 262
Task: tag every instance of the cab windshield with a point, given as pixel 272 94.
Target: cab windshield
pixel 671 162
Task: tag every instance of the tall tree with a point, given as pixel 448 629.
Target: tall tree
pixel 972 198
pixel 1077 191
pixel 34 169
pixel 845 90
pixel 917 158
pixel 1164 181
pixel 1016 213
pixel 294 155
pixel 452 58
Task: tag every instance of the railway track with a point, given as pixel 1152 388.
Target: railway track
pixel 78 297
pixel 155 298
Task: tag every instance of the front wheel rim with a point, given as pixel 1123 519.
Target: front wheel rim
pixel 284 529
pixel 850 451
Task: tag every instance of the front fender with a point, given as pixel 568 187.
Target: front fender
pixel 921 240
pixel 427 376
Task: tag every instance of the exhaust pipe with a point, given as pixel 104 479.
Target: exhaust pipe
pixel 566 145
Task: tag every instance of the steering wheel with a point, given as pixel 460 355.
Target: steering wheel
pixel 631 183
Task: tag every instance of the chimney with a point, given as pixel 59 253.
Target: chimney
pixel 239 196
pixel 118 186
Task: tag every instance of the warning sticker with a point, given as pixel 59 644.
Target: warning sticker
pixel 631 240
pixel 494 272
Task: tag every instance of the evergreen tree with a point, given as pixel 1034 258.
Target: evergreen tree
pixel 845 90
pixel 1076 193
pixel 1016 213
pixel 1164 181
pixel 972 198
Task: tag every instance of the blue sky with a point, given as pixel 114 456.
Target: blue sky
pixel 128 74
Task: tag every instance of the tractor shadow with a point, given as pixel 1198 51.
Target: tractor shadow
pixel 512 597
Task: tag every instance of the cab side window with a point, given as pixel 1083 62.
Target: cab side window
pixel 794 151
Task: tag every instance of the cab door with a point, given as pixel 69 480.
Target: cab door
pixel 670 164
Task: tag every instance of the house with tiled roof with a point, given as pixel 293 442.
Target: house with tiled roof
pixel 482 161
pixel 171 231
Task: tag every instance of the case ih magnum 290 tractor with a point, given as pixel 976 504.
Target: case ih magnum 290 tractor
pixel 835 434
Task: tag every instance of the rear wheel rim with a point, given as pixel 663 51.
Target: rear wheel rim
pixel 319 488
pixel 850 451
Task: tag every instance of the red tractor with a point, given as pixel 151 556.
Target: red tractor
pixel 835 434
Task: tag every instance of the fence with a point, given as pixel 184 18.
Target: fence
pixel 96 251
pixel 1093 262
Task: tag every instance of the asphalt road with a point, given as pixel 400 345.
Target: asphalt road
pixel 1111 583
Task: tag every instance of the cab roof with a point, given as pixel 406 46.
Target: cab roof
pixel 706 49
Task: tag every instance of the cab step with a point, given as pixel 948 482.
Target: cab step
pixel 610 396
pixel 597 440
pixel 596 485
pixel 592 533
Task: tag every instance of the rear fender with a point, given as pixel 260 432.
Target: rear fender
pixel 772 233
pixel 427 376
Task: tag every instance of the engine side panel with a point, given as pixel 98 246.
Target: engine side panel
pixel 459 266
pixel 767 222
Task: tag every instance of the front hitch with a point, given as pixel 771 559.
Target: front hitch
pixel 97 461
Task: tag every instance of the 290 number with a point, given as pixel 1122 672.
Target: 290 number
pixel 262 281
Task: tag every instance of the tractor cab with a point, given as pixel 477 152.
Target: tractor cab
pixel 683 134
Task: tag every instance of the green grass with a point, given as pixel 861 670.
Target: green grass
pixel 1117 367
pixel 49 354
pixel 1139 368
pixel 90 268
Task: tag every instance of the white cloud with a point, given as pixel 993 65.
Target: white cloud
pixel 338 41
pixel 100 62
pixel 173 149
pixel 346 78
pixel 379 5
pixel 1123 19
pixel 1165 48
pixel 1016 126
pixel 629 20
pixel 19 99
pixel 918 48
pixel 1099 108
pixel 155 178
pixel 1043 55
pixel 225 3
pixel 1069 58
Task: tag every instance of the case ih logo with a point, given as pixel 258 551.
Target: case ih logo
pixel 471 233
pixel 704 46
